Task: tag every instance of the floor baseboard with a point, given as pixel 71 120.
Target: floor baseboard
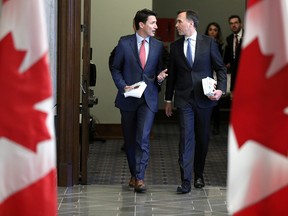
pixel 109 131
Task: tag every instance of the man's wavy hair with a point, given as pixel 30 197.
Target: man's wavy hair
pixel 142 16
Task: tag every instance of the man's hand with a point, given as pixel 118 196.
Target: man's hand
pixel 161 76
pixel 217 95
pixel 128 88
pixel 168 109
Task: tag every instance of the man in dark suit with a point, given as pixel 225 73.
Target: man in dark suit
pixel 138 58
pixel 193 57
pixel 233 48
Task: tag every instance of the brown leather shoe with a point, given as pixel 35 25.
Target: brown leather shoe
pixel 139 186
pixel 132 182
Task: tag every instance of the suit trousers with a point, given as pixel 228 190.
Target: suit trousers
pixel 194 125
pixel 136 126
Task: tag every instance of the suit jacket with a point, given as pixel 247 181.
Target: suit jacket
pixel 228 57
pixel 183 80
pixel 126 70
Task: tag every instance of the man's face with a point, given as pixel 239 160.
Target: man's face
pixel 183 25
pixel 149 28
pixel 235 25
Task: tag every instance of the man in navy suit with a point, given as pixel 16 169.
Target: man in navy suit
pixel 193 57
pixel 131 65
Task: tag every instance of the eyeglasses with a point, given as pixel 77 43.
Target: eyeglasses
pixel 232 23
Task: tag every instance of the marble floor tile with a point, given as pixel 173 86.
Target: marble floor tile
pixel 118 200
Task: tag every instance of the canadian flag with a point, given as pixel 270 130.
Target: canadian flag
pixel 258 131
pixel 27 140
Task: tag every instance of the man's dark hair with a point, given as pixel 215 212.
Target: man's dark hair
pixel 191 15
pixel 235 16
pixel 142 16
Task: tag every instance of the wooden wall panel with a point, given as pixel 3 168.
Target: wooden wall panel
pixel 68 91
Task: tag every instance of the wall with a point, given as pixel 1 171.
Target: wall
pixel 208 10
pixel 112 19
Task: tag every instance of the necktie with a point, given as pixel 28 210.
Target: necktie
pixel 236 41
pixel 189 52
pixel 142 54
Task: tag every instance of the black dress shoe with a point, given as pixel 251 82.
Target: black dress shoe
pixel 184 188
pixel 199 183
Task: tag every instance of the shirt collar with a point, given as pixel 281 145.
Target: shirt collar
pixel 139 38
pixel 239 34
pixel 193 37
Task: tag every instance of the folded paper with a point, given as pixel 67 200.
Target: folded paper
pixel 137 90
pixel 208 86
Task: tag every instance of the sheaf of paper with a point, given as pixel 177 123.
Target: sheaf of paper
pixel 208 86
pixel 137 91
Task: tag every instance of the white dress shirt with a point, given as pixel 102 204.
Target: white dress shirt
pixel 139 42
pixel 192 43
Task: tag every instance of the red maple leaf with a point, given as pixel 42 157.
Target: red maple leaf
pixel 259 102
pixel 20 121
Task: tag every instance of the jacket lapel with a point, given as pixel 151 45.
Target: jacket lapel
pixel 151 54
pixel 134 48
pixel 181 51
pixel 199 40
pixel 180 47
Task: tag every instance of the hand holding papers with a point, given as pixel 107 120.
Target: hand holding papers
pixel 208 86
pixel 136 90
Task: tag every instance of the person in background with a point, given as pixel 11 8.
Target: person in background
pixel 213 30
pixel 233 48
pixel 193 57
pixel 138 57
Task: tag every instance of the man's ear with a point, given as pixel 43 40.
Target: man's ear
pixel 192 23
pixel 141 24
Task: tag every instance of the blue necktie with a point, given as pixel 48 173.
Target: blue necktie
pixel 189 52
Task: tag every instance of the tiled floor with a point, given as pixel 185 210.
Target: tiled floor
pixel 108 192
pixel 119 200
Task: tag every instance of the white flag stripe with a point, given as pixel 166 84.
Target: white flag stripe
pixel 256 172
pixel 26 27
pixel 25 167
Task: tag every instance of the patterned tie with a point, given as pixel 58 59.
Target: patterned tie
pixel 236 41
pixel 142 54
pixel 189 52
